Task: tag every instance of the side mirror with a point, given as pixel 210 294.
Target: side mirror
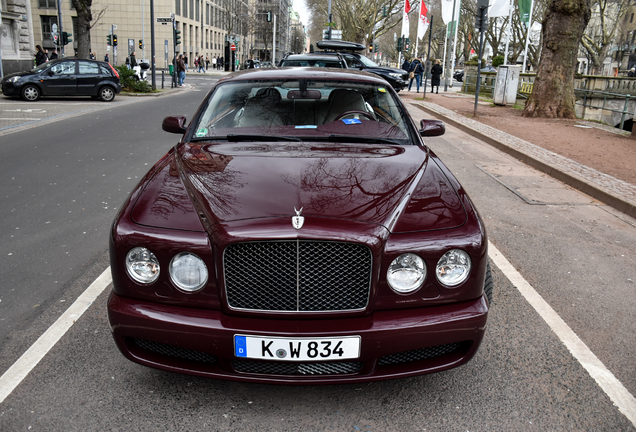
pixel 174 124
pixel 432 128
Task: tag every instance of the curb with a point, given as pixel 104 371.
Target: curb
pixel 605 188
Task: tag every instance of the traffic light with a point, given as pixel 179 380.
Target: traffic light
pixel 407 43
pixel 384 12
pixel 399 44
pixel 375 48
pixel 370 48
pixel 108 40
pixel 269 17
pixel 177 37
pixel 66 38
pixel 114 40
pixel 141 43
pixel 481 21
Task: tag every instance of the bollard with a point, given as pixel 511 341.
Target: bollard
pixel 163 76
pixel 624 111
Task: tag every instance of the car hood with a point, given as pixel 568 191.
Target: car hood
pixel 385 70
pixel 25 73
pixel 398 187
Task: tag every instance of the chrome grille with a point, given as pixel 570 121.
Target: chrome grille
pixel 287 368
pixel 297 276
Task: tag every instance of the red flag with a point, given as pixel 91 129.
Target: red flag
pixel 407 6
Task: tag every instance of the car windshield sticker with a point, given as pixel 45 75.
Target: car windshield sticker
pixel 382 90
pixel 202 132
pixel 307 127
pixel 351 121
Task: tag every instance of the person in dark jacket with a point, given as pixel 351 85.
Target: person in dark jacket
pixel 436 73
pixel 406 65
pixel 418 70
pixel 40 56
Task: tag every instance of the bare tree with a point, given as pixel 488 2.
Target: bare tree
pixel 85 23
pixel 600 33
pixel 563 27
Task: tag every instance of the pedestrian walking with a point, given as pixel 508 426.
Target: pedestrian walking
pixel 222 64
pixel 53 55
pixel 40 56
pixel 213 62
pixel 207 62
pixel 406 65
pixel 185 61
pixel 181 70
pixel 133 60
pixel 201 64
pixel 436 73
pixel 415 73
pixel 106 59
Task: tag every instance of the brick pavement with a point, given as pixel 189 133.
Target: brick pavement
pixel 605 188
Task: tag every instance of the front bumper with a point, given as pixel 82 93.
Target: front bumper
pixel 9 89
pixel 394 344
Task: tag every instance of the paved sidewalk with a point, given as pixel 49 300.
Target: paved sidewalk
pixel 605 188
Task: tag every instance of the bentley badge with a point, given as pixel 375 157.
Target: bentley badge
pixel 298 220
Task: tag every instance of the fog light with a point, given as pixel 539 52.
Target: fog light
pixel 142 265
pixel 406 273
pixel 188 272
pixel 453 268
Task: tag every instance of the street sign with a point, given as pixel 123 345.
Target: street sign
pixel 233 47
pixel 164 20
pixel 54 28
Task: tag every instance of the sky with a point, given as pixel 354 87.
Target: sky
pixel 299 6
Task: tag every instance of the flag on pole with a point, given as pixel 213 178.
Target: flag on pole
pixel 405 19
pixel 525 6
pixel 499 8
pixel 422 25
pixel 447 10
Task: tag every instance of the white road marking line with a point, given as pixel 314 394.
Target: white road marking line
pixel 25 364
pixel 19 118
pixel 618 394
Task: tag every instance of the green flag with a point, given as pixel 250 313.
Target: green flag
pixel 524 10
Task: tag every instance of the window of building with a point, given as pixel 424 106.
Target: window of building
pixel 185 8
pixel 47 23
pixel 196 15
pixel 49 4
pixel 177 7
pixel 191 9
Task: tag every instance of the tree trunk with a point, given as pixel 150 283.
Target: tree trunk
pixel 553 92
pixel 84 17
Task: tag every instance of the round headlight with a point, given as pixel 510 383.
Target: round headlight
pixel 406 273
pixel 142 265
pixel 188 272
pixel 453 268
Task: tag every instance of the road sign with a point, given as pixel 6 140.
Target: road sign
pixel 164 20
pixel 233 47
pixel 54 28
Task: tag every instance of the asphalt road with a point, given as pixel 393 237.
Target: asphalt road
pixel 577 254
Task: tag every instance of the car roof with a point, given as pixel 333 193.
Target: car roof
pixel 292 73
pixel 314 56
pixel 337 45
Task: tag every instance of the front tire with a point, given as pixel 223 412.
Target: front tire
pixel 106 94
pixel 488 284
pixel 31 93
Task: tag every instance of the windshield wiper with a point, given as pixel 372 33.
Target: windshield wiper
pixel 358 139
pixel 266 138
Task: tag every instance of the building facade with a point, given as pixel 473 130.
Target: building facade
pixel 17 44
pixel 208 28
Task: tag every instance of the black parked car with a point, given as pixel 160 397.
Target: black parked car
pixel 459 75
pixel 65 77
pixel 343 54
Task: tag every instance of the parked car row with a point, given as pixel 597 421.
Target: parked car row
pixel 345 55
pixel 68 76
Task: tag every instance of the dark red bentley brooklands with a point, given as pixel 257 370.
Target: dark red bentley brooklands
pixel 302 233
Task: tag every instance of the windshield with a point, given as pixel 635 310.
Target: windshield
pixel 367 62
pixel 303 110
pixel 41 67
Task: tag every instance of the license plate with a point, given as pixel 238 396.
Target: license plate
pixel 297 349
